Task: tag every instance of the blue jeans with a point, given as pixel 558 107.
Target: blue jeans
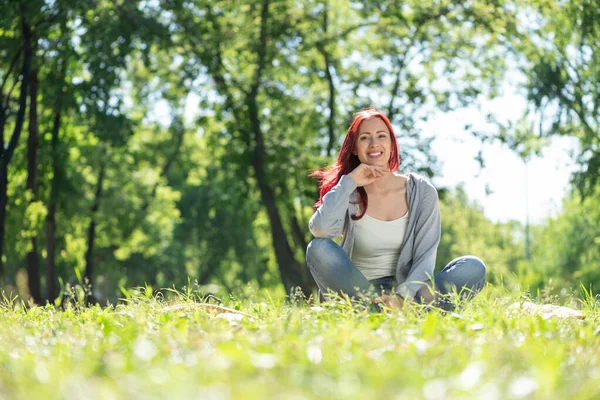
pixel 333 270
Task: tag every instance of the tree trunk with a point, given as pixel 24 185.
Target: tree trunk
pixel 89 254
pixel 297 233
pixel 329 75
pixel 3 200
pixel 3 181
pixel 6 152
pixel 50 247
pixel 51 287
pixel 292 273
pixel 33 271
pixel 289 268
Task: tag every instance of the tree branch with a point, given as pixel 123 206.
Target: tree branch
pixel 261 50
pixel 25 73
pixel 12 64
pixel 9 94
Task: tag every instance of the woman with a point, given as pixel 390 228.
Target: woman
pixel 390 225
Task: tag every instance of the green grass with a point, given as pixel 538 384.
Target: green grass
pixel 155 349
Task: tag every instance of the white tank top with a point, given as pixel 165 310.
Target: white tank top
pixel 377 245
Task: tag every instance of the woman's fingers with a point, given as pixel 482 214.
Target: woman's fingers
pixel 375 172
pixel 365 174
pixel 390 301
pixel 372 174
pixel 377 168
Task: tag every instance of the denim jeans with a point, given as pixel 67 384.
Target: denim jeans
pixel 333 270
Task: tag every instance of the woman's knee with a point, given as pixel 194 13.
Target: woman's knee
pixel 475 267
pixel 318 250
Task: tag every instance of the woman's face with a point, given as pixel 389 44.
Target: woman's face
pixel 373 144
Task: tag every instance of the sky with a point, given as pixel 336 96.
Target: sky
pixel 516 189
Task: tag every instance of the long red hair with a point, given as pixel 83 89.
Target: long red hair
pixel 347 161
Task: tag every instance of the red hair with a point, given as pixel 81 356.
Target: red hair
pixel 347 161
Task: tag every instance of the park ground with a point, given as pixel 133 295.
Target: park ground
pixel 261 345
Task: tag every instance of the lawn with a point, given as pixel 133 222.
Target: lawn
pixel 156 348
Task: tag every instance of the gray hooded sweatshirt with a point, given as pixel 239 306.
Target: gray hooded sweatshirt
pixel 419 247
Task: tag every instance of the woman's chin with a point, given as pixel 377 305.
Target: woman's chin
pixel 378 163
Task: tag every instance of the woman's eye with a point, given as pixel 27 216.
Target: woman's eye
pixel 382 136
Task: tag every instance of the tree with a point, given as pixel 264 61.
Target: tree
pixel 23 76
pixel 466 231
pixel 566 248
pixel 135 188
pixel 559 54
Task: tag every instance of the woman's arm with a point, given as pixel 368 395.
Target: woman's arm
pixel 328 220
pixel 427 238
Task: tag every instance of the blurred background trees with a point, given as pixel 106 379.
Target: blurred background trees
pixel 146 142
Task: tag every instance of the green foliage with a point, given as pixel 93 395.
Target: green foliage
pixel 466 231
pixel 561 61
pixel 179 120
pixel 566 248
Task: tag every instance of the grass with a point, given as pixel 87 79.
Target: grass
pixel 155 348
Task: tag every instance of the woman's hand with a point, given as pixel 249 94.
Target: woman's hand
pixel 390 301
pixel 365 174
